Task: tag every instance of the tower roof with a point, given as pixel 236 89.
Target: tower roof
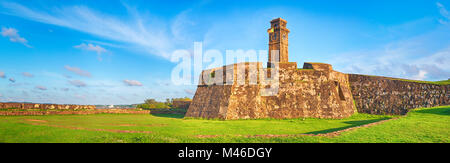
pixel 278 19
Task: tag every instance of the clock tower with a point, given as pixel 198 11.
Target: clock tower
pixel 278 40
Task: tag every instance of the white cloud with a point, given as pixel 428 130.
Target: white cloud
pixel 398 62
pixel 12 80
pixel 150 36
pixel 188 91
pixel 42 88
pixel 132 82
pixel 422 56
pixel 78 71
pixel 179 26
pixel 13 36
pixel 26 74
pixel 91 47
pixel 81 97
pixel 77 83
pixel 444 13
pixel 2 74
pixel 420 76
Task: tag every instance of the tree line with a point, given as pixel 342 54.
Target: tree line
pixel 154 104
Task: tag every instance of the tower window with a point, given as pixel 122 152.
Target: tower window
pixel 213 74
pixel 274 37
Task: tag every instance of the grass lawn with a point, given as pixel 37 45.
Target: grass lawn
pixel 420 125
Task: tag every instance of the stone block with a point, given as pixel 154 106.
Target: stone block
pixel 317 66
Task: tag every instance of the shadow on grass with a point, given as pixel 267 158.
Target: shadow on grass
pixel 352 124
pixel 438 111
pixel 176 116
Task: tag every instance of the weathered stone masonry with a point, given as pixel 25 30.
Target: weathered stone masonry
pixel 44 106
pixel 230 92
pixel 248 91
pixel 60 109
pixel 320 93
pixel 382 95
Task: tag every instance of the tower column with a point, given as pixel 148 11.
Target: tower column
pixel 278 42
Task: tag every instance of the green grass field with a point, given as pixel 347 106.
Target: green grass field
pixel 420 125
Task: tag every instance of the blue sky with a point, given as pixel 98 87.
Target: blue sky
pixel 118 52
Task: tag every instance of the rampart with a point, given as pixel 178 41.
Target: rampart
pixel 383 95
pixel 60 109
pixel 249 91
pixel 44 106
pixel 233 94
pixel 82 112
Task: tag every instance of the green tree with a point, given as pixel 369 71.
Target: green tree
pixel 150 101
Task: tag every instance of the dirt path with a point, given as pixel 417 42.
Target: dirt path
pixel 35 120
pixel 331 134
pixel 149 125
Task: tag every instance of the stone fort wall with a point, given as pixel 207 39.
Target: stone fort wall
pixel 240 91
pixel 383 95
pixel 44 106
pixel 182 104
pixel 320 93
